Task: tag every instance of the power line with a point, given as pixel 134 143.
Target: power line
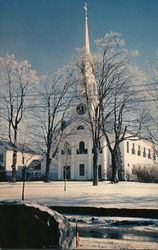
pixel 70 92
pixel 74 105
pixel 66 95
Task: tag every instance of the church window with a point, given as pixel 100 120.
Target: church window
pixel 133 149
pixel 82 146
pixel 154 156
pixel 80 127
pixel 82 149
pixel 82 169
pixel 144 152
pixel 139 151
pixel 127 147
pixel 149 154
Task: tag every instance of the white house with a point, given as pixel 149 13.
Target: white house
pixel 25 157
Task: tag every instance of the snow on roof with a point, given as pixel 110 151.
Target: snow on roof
pixel 20 147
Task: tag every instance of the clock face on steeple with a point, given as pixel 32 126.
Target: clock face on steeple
pixel 81 109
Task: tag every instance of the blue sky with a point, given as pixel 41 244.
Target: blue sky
pixel 47 32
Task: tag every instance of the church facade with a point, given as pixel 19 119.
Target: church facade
pixel 75 158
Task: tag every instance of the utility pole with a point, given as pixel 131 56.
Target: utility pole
pixel 66 148
pixel 23 178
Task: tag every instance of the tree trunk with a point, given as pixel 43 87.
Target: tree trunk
pixel 95 166
pixel 23 187
pixel 114 178
pixel 14 165
pixel 14 157
pixel 48 161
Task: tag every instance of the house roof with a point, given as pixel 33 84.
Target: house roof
pixel 20 147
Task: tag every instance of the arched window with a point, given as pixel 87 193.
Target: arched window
pixel 80 127
pixel 81 146
pixel 82 149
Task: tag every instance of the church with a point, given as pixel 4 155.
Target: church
pixel 75 155
pixel 75 158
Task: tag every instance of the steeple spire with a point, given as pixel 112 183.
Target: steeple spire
pixel 87 46
pixel 87 83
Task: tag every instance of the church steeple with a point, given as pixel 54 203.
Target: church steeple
pixel 87 46
pixel 87 82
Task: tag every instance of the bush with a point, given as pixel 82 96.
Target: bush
pixel 147 174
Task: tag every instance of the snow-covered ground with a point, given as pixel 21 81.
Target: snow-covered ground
pixel 108 233
pixel 121 195
pixel 94 243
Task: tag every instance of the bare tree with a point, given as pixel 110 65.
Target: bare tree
pixel 152 100
pixel 90 98
pixel 66 169
pixel 16 79
pixel 51 113
pixel 108 94
pixel 94 116
pixel 116 74
pixel 151 93
pixel 26 158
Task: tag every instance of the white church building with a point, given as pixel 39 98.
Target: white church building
pixel 75 156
